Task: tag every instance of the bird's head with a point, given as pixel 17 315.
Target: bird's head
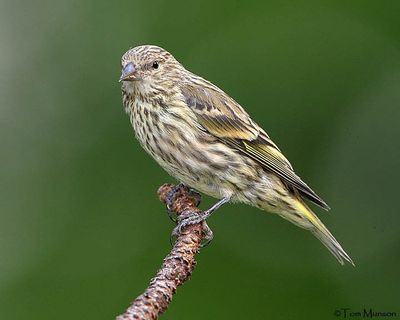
pixel 148 69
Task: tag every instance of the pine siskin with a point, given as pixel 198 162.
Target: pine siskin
pixel 206 140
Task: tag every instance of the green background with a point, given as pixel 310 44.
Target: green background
pixel 81 229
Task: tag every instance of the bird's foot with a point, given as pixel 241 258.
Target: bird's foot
pixel 171 197
pixel 190 218
pixel 208 235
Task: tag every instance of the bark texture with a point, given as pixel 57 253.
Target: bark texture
pixel 178 265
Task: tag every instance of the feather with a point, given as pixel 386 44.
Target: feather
pixel 224 118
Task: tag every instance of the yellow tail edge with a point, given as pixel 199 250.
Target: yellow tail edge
pixel 319 230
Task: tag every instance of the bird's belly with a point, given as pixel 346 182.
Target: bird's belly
pixel 201 161
pixel 191 155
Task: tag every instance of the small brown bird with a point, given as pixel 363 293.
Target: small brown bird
pixel 206 140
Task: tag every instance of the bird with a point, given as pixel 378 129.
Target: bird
pixel 207 141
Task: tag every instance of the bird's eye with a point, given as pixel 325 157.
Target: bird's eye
pixel 155 65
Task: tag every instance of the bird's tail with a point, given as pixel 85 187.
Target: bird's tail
pixel 307 219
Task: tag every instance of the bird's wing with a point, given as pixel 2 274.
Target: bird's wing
pixel 224 118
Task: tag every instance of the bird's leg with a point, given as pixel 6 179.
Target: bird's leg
pixel 188 218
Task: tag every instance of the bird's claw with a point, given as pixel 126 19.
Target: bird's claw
pixel 170 199
pixel 208 235
pixel 171 214
pixel 189 218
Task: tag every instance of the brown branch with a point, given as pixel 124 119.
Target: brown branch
pixel 178 265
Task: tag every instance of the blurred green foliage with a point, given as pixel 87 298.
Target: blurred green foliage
pixel 81 229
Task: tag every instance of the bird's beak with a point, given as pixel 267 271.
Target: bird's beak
pixel 128 73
